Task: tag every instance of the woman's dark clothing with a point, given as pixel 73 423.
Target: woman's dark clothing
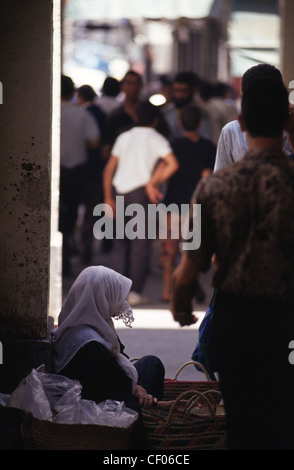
pixel 256 377
pixel 103 378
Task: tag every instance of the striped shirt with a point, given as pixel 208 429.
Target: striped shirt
pixel 232 145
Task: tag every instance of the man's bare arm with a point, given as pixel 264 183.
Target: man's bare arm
pixel 165 169
pixel 107 181
pixel 184 282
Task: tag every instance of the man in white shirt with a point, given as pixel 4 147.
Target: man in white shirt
pixel 129 172
pixel 79 130
pixel 232 144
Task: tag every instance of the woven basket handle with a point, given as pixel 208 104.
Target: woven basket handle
pixel 212 393
pixel 208 395
pixel 192 402
pixel 196 364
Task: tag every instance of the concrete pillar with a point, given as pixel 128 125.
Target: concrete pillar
pixel 287 41
pixel 26 35
pixel 55 288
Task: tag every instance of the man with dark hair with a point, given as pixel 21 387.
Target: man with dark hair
pixel 129 171
pixel 185 85
pixel 67 87
pixel 111 87
pixel 232 144
pixel 185 90
pixel 147 114
pixel 219 99
pixel 190 118
pixel 93 192
pixel 121 119
pixel 247 227
pixel 86 99
pixel 108 101
pixel 262 71
pixel 264 110
pixel 125 116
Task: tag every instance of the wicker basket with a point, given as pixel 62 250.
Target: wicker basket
pixel 174 387
pixel 47 435
pixel 194 422
pixel 11 424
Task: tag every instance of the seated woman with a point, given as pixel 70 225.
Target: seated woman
pixel 87 348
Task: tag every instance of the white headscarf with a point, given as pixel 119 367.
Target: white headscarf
pixel 96 297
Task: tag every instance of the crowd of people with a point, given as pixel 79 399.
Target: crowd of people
pixel 238 164
pixel 111 143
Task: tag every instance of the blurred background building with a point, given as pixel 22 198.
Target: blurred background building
pixel 217 39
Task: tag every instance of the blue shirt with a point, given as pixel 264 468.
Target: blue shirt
pixel 70 342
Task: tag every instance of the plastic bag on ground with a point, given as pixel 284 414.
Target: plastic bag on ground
pixel 117 412
pixel 57 398
pixel 30 396
pixel 108 413
pixel 60 389
pixel 39 392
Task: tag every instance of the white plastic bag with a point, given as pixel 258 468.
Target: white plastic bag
pixel 60 389
pixel 78 412
pixel 108 413
pixel 39 392
pixel 30 396
pixel 57 398
pixel 115 413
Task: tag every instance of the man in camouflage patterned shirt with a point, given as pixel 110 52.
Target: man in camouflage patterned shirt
pixel 247 226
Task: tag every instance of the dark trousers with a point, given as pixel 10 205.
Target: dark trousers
pixel 72 194
pixel 103 378
pixel 131 257
pixel 256 377
pixel 93 195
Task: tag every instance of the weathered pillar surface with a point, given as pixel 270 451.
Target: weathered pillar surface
pixel 25 153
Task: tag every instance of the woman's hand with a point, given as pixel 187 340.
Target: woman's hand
pixel 164 404
pixel 145 399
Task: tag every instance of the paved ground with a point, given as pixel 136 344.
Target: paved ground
pixel 154 331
